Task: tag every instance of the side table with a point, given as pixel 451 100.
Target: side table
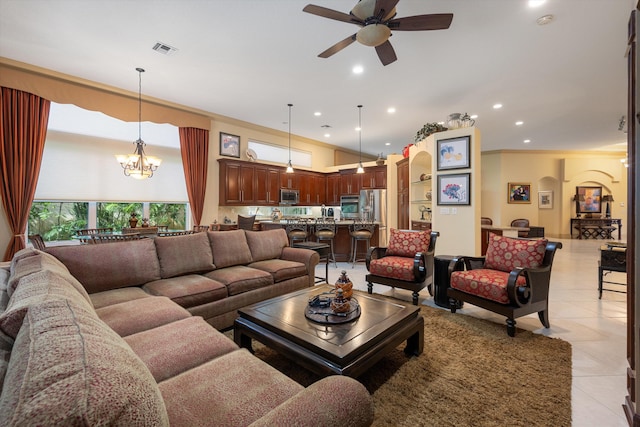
pixel 324 250
pixel 441 281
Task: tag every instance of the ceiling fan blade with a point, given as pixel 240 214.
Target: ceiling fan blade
pixel 385 6
pixel 331 14
pixel 437 21
pixel 338 47
pixel 386 53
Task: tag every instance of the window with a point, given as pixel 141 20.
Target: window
pixel 57 220
pixel 116 215
pixel 280 154
pixel 173 215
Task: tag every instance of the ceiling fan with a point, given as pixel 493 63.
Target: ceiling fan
pixel 376 17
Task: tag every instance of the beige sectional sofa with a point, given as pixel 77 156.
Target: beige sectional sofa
pixel 121 334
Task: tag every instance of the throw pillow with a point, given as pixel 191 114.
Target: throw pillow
pixel 406 243
pixel 507 253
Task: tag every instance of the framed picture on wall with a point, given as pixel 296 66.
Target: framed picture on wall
pixel 589 200
pixel 454 153
pixel 519 192
pixel 229 145
pixel 454 189
pixel 545 199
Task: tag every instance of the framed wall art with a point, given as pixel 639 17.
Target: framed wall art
pixel 229 145
pixel 519 192
pixel 589 200
pixel 453 153
pixel 454 189
pixel 545 199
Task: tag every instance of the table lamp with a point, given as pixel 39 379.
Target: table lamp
pixel 608 198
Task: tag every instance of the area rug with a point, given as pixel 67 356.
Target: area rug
pixel 471 373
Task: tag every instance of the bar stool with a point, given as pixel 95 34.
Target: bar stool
pixel 360 230
pixel 325 230
pixel 297 230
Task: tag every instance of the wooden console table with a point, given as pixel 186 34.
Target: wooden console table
pixel 596 228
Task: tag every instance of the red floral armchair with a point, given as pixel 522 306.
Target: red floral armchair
pixel 511 280
pixel 406 263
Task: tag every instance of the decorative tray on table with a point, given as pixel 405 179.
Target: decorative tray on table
pixel 319 310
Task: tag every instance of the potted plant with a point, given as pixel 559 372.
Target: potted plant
pixel 427 130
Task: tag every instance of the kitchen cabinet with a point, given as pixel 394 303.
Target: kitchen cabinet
pixel 403 194
pixel 333 189
pixel 350 182
pixel 290 181
pixel 374 177
pixel 267 185
pixel 245 183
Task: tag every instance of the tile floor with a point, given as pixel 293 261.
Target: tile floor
pixel 596 328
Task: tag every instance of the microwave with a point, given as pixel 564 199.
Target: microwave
pixel 289 197
pixel 350 206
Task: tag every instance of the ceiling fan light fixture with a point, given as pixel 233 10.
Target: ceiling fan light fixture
pixel 364 9
pixel 359 129
pixel 373 35
pixel 289 165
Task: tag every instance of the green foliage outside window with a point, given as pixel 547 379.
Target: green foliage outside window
pixel 116 215
pixel 57 220
pixel 174 215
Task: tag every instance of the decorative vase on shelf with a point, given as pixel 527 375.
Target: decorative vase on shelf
pixel 133 221
pixel 345 284
pixel 380 160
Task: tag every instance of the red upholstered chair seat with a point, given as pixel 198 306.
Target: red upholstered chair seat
pixel 485 283
pixel 394 267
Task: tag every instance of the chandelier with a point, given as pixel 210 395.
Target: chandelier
pixel 138 165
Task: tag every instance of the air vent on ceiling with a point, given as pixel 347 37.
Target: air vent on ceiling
pixel 164 48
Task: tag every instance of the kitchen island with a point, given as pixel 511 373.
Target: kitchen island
pixel 342 241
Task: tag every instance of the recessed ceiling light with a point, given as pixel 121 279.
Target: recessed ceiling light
pixel 536 3
pixel 317 113
pixel 440 123
pixel 519 123
pixel 387 143
pixel 497 106
pixel 327 135
pixel 526 141
pixel 474 116
pixel 358 69
pixel 391 110
pixel 544 20
pixel 358 129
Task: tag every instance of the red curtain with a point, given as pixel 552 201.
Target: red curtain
pixel 194 147
pixel 23 128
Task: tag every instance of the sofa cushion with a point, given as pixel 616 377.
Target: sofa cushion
pixel 229 248
pixel 140 315
pixel 394 267
pixel 186 254
pixel 488 284
pixel 21 254
pixel 69 368
pixel 38 261
pixel 188 291
pixel 280 269
pixel 407 243
pixel 506 253
pixel 116 296
pixel 116 265
pixel 267 244
pixel 245 389
pixel 4 295
pixel 174 348
pixel 241 279
pixel 35 288
pixel 6 345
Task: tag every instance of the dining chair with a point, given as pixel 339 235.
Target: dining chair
pixel 37 241
pixel 200 228
pixel 175 233
pixel 110 238
pixel 246 222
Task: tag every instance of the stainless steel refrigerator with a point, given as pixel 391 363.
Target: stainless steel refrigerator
pixel 373 206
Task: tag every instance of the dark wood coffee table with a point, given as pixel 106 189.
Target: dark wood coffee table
pixel 344 349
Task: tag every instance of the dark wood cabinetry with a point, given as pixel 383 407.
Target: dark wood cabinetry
pixel 267 181
pixel 421 225
pixel 333 189
pixel 350 182
pixel 246 183
pixel 374 178
pixel 403 194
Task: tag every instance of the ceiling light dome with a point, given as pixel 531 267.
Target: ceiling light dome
pixel 365 8
pixel 373 35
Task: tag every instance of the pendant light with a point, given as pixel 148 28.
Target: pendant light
pixel 360 168
pixel 289 165
pixel 138 165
